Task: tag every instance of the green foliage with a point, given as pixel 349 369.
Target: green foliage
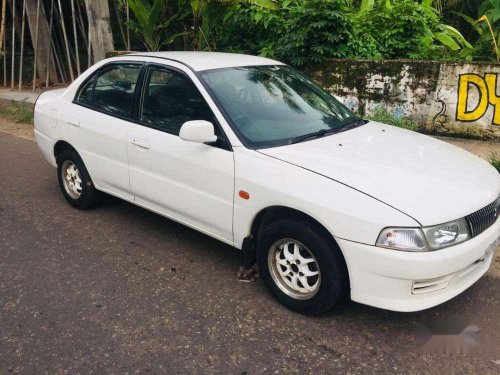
pixel 456 131
pixel 465 17
pixel 299 32
pixel 245 28
pixel 494 159
pixel 466 132
pixel 449 43
pixel 363 42
pixel 488 26
pixel 20 112
pixel 415 32
pixel 491 10
pixel 308 31
pixel 311 30
pixel 208 13
pixel 382 115
pixel 366 5
pixel 453 45
pixel 402 29
pixel 303 32
pixel 151 22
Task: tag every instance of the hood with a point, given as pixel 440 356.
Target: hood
pixel 429 180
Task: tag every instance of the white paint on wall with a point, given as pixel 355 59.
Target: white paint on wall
pixel 401 88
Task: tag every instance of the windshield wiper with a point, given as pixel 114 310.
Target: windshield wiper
pixel 322 132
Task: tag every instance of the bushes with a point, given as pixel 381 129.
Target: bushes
pixel 299 32
pixel 20 112
pixel 402 30
pixel 307 31
pixel 490 10
pixel 382 115
pixel 304 32
pixel 454 131
pixel 310 30
pixel 495 161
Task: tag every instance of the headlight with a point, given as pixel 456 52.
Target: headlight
pixel 423 239
pixel 447 234
pixel 409 239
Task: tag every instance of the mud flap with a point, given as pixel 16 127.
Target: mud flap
pixel 248 271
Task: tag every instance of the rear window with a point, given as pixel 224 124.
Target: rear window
pixel 111 90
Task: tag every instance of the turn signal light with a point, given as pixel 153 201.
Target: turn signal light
pixel 244 195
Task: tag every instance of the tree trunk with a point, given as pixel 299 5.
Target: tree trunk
pixel 17 21
pixel 2 27
pixel 120 26
pixel 102 38
pixel 44 52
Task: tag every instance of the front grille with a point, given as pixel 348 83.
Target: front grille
pixel 484 218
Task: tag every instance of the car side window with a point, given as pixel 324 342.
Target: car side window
pixel 114 90
pixel 86 91
pixel 171 99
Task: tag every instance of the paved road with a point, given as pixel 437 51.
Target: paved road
pixel 121 290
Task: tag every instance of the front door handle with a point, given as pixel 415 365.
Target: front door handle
pixel 140 143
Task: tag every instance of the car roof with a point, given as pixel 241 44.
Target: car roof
pixel 200 61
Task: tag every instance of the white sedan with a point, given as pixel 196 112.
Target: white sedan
pixel 249 151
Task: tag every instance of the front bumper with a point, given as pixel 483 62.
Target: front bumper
pixel 412 281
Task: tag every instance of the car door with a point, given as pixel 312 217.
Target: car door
pixel 96 124
pixel 190 182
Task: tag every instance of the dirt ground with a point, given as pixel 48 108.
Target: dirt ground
pixel 119 289
pixel 482 149
pixel 24 131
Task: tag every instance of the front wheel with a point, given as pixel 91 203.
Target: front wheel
pixel 302 266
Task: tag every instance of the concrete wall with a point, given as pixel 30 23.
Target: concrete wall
pixel 432 93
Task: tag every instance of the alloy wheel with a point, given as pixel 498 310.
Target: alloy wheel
pixel 294 269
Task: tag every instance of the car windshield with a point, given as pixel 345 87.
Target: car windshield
pixel 276 105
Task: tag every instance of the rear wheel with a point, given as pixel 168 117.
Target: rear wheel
pixel 74 180
pixel 302 266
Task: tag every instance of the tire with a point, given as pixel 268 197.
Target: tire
pixel 328 289
pixel 84 195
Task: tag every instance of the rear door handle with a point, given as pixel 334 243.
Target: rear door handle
pixel 140 143
pixel 74 122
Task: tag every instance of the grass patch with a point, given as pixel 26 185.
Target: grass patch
pixel 382 115
pixel 465 132
pixel 20 112
pixel 455 131
pixel 494 159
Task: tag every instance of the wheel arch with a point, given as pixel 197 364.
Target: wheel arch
pixel 272 213
pixel 61 146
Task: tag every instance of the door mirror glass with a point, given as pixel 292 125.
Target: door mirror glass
pixel 199 131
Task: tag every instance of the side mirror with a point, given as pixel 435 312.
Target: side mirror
pixel 199 131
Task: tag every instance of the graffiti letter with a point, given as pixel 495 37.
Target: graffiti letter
pixel 491 83
pixel 463 95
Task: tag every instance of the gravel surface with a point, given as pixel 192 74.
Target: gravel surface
pixel 118 289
